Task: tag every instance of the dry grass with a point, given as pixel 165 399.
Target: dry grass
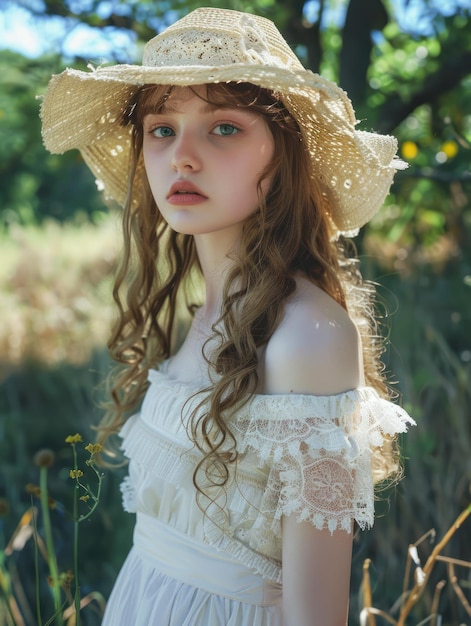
pixel 55 300
pixel 413 591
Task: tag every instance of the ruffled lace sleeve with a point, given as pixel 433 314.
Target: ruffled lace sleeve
pixel 319 452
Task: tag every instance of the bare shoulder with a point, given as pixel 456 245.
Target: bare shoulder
pixel 315 350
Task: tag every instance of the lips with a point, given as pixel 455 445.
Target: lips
pixel 184 193
pixel 184 187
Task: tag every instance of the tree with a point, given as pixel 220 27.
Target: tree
pixel 33 183
pixel 413 84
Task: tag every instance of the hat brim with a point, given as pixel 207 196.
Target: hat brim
pixel 83 110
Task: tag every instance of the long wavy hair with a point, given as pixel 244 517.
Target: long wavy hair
pixel 286 237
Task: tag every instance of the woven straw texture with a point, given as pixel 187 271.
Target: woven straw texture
pixel 83 110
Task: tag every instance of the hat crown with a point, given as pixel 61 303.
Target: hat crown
pixel 217 38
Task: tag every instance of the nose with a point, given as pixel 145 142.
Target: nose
pixel 185 155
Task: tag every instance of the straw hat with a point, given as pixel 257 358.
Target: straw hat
pixel 83 110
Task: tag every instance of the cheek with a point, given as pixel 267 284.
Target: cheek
pixel 149 158
pixel 146 161
pixel 153 170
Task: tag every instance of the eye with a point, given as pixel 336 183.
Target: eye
pixel 226 130
pixel 162 132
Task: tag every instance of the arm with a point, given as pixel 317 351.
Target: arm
pixel 316 575
pixel 316 350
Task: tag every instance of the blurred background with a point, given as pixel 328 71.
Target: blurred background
pixel 406 65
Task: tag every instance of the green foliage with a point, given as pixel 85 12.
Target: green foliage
pixel 39 407
pixel 33 183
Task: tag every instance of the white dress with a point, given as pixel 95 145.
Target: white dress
pixel 299 454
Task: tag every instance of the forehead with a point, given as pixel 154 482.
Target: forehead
pixel 165 98
pixel 179 96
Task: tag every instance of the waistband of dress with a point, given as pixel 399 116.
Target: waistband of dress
pixel 189 560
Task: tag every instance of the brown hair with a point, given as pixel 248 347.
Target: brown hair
pixel 286 237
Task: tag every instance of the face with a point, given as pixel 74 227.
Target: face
pixel 204 163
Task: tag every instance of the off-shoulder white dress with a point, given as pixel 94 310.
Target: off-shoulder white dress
pixel 299 454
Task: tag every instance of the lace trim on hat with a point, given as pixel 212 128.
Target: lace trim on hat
pixel 254 46
pixel 244 42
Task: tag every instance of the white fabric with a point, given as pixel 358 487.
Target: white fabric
pixel 299 454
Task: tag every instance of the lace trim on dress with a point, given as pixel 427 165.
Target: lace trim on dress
pixel 270 423
pixel 319 449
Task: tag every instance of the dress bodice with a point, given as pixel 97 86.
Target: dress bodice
pixel 302 455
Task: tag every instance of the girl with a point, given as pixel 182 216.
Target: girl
pixel 260 435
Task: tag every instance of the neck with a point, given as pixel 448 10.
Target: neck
pixel 214 257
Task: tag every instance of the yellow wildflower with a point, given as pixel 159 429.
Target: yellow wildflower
pixel 74 438
pixel 34 490
pixel 94 448
pixel 75 473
